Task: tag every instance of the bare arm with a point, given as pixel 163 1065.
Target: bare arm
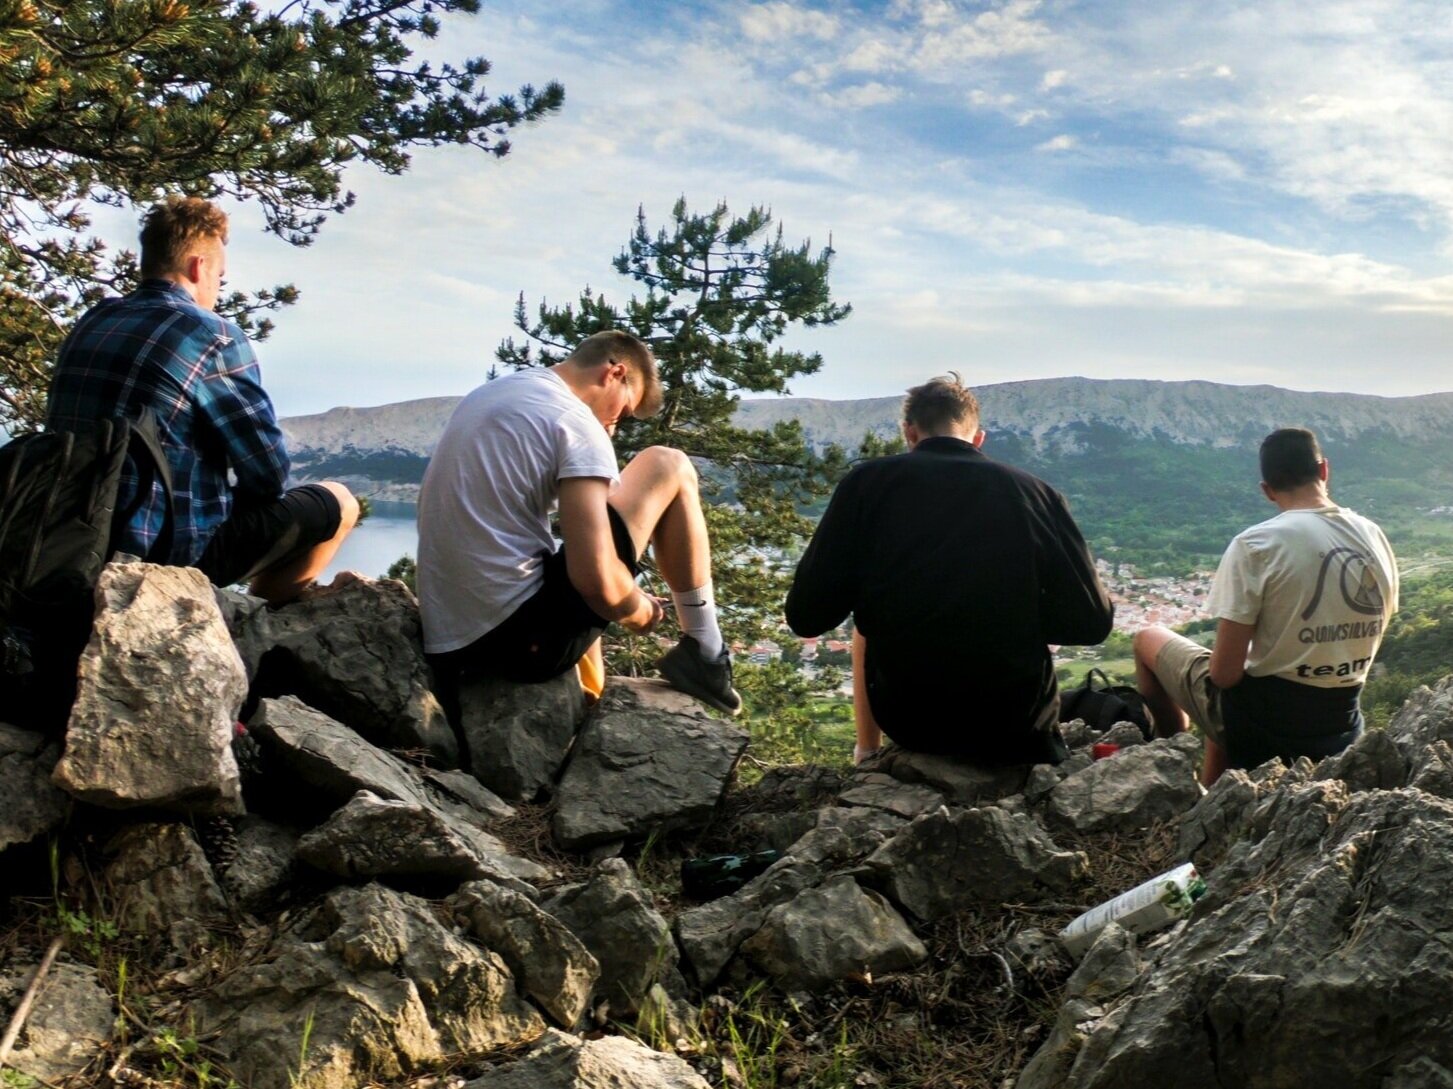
pixel 1228 656
pixel 591 561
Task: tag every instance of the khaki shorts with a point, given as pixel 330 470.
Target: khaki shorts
pixel 1184 671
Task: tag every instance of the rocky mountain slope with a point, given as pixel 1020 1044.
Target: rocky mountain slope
pixel 1156 469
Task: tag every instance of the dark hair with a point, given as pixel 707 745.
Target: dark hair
pixel 172 230
pixel 1290 458
pixel 941 404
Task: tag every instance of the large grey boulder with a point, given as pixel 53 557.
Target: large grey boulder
pixel 615 918
pixel 711 933
pixel 381 837
pixel 548 961
pixel 834 932
pixel 1426 718
pixel 1131 790
pixel 70 1024
pixel 163 888
pixel 355 652
pixel 519 734
pixel 960 781
pixel 160 687
pixel 1322 954
pixel 561 1061
pixel 30 804
pixel 877 790
pixel 337 763
pixel 949 860
pixel 384 986
pixel 643 764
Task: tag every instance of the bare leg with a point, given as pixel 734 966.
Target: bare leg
pixel 1165 714
pixel 870 735
pixel 660 501
pixel 1213 763
pixel 286 582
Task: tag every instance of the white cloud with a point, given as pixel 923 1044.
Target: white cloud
pixel 1063 142
pixel 862 95
pixel 1053 79
pixel 777 20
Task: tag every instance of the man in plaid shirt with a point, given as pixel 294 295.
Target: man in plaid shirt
pixel 162 347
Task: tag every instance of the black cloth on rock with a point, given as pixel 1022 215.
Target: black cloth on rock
pixel 959 572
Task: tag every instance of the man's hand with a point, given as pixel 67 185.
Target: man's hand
pixel 644 620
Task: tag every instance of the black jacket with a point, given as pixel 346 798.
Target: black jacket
pixel 958 571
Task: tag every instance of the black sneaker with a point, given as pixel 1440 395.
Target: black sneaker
pixel 709 681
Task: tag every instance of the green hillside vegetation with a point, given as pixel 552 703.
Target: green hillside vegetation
pixel 1418 647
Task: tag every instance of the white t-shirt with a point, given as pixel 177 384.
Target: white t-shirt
pixel 484 507
pixel 1319 585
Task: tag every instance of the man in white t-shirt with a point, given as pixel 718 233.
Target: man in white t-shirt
pixel 1302 602
pixel 496 594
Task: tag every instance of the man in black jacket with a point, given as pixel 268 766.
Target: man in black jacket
pixel 958 572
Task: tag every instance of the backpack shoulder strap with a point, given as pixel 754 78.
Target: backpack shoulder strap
pixel 144 445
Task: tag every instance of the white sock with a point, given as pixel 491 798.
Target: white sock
pixel 696 613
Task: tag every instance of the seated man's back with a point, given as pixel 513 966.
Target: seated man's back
pixel 958 572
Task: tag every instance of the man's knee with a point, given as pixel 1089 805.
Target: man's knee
pixel 1147 643
pixel 666 463
pixel 348 507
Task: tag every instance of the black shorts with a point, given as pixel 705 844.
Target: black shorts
pixel 261 535
pixel 548 633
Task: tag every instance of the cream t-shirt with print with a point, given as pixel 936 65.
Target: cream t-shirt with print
pixel 1319 586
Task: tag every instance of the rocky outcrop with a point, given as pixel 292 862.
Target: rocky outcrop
pixel 615 919
pixel 946 861
pixel 549 962
pixel 560 1061
pixel 378 837
pixel 1131 790
pixel 354 652
pixel 648 760
pixel 520 734
pixel 160 688
pixel 367 985
pixel 163 888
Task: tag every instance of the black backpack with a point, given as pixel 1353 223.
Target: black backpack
pixel 58 527
pixel 1102 707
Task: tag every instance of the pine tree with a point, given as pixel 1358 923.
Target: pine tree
pixel 121 101
pixel 721 291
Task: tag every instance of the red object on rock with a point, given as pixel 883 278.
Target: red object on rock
pixel 1102 749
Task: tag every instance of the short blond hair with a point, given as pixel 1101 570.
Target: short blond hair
pixel 941 404
pixel 172 229
pixel 617 346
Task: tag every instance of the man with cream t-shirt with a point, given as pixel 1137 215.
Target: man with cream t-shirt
pixel 1302 601
pixel 496 595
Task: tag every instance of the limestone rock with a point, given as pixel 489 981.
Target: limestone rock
pixel 30 804
pixel 355 652
pixel 834 932
pixel 69 1025
pixel 1435 770
pixel 561 1061
pixel 1321 955
pixel 548 961
pixel 1215 822
pixel 378 837
pixel 958 780
pixel 1131 790
pixel 465 789
pixel 946 861
pixel 614 917
pixel 163 887
pixel 160 687
pixel 640 766
pixel 711 934
pixel 337 763
pixel 1372 762
pixel 1124 734
pixel 519 734
pixel 1426 718
pixel 260 873
pixel 880 791
pixel 387 988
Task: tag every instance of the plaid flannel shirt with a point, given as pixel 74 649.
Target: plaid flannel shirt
pixel 157 348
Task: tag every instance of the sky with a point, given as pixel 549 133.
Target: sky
pixel 1245 192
